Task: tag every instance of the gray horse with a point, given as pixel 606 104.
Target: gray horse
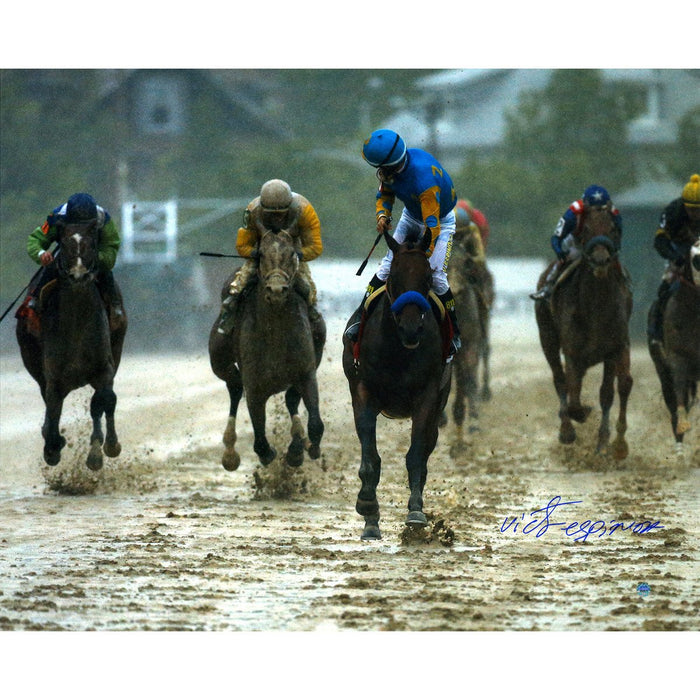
pixel 276 346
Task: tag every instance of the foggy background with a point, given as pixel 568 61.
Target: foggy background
pixel 521 144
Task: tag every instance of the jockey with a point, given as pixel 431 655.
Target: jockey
pixel 276 208
pixel 80 207
pixel 478 217
pixel 428 195
pixel 679 228
pixel 594 201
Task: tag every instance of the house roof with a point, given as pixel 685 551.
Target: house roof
pixel 235 88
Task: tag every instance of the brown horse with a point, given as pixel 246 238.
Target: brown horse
pixel 76 346
pixel 587 320
pixel 398 371
pixel 677 360
pixel 276 345
pixel 472 286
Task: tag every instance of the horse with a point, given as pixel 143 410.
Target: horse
pixel 472 287
pixel 276 345
pixel 587 320
pixel 76 345
pixel 677 359
pixel 399 371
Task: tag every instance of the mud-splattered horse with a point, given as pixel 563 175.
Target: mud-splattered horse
pixel 76 346
pixel 276 345
pixel 587 319
pixel 677 360
pixel 399 371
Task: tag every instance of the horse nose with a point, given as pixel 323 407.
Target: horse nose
pixel 276 292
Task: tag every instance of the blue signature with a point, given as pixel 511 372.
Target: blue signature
pixel 579 531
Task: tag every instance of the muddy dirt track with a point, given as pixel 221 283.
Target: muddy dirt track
pixel 164 539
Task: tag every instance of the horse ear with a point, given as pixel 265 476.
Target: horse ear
pixel 391 242
pixel 426 240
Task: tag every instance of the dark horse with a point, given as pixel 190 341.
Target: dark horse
pixel 677 361
pixel 76 346
pixel 472 286
pixel 276 345
pixel 587 320
pixel 399 371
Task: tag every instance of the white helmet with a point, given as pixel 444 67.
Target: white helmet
pixel 275 195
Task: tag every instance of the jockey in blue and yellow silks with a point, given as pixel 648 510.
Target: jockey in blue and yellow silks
pixel 426 190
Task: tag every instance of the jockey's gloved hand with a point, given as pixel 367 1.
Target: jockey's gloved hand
pixel 254 254
pixel 383 224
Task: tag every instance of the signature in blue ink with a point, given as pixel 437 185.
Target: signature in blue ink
pixel 579 531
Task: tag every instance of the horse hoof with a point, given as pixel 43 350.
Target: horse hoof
pixel 294 458
pixel 314 451
pixel 231 460
pixel 112 449
pixel 416 517
pixel 620 450
pixel 266 458
pixel 567 437
pixel 94 458
pixel 52 458
pixel 371 532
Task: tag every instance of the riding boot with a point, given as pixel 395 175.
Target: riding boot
pixel 227 316
pixel 111 296
pixel 546 291
pixel 353 328
pixel 448 302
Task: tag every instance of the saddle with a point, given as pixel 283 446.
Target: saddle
pixel 438 308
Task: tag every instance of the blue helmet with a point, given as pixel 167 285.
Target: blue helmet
pixel 384 148
pixel 80 207
pixel 461 217
pixel 595 195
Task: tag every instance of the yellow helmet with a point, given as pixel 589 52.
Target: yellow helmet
pixel 691 192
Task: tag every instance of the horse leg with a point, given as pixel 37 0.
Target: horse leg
pixel 315 427
pixel 570 403
pixel 606 396
pixel 54 442
pixel 458 411
pixel 680 387
pixel 231 460
pixel 295 451
pixel 424 435
pixel 256 409
pixel 103 402
pixel 549 340
pixel 486 370
pixel 472 387
pixel 370 466
pixel 624 388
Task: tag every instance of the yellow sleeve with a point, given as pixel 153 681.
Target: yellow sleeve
pixel 310 233
pixel 247 239
pixel 385 202
pixel 430 210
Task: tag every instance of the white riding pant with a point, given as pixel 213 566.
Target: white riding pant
pixel 439 260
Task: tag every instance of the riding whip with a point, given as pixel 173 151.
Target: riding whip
pixel 366 260
pixel 24 289
pixel 224 255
